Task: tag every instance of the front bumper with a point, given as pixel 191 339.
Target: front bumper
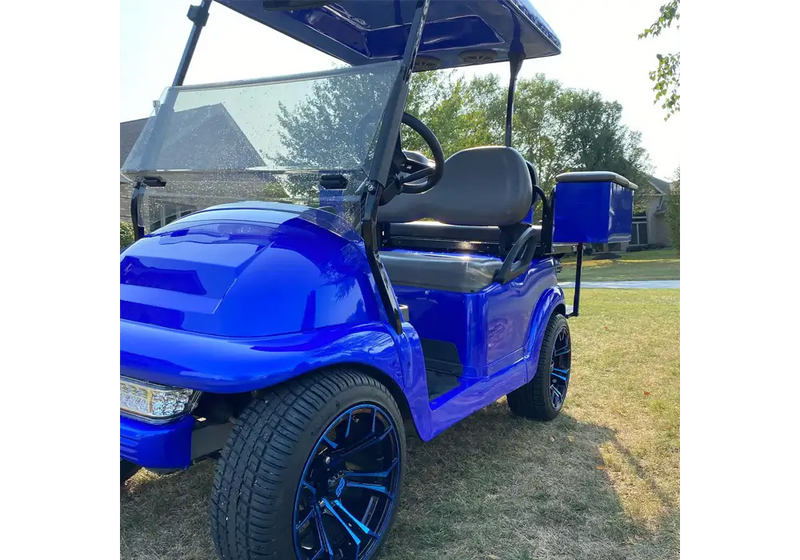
pixel 175 445
pixel 164 446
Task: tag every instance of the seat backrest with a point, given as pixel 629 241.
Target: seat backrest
pixel 486 186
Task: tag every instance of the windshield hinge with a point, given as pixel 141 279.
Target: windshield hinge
pixel 334 181
pixel 197 15
pixel 150 181
pixel 139 190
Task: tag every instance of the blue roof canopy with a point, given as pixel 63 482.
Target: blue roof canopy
pixel 456 33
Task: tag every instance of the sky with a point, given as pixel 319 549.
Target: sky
pixel 600 51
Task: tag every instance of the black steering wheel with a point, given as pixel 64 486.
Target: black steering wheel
pixel 415 174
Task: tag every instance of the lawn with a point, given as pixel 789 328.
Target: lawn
pixel 600 482
pixel 661 264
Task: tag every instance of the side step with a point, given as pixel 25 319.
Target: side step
pixel 442 366
pixel 440 383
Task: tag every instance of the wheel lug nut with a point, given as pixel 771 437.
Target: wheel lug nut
pixel 327 460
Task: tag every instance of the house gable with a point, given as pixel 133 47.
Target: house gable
pixel 661 186
pixel 193 142
pixel 207 128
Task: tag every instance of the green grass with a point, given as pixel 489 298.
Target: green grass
pixel 661 264
pixel 600 482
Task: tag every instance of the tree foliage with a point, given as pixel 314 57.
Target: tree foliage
pixel 556 128
pixel 673 212
pixel 125 234
pixel 667 75
pixel 331 128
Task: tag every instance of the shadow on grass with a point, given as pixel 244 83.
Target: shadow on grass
pixel 492 487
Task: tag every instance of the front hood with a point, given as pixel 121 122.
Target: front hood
pixel 248 270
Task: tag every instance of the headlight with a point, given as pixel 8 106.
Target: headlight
pixel 155 402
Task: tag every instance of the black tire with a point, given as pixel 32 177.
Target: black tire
pixel 257 476
pixel 127 470
pixel 533 400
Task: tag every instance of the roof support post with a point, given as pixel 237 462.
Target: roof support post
pixel 515 59
pixel 199 16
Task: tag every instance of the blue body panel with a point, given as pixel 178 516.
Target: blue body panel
pixel 592 212
pixel 503 375
pixel 242 297
pixel 363 32
pixel 236 365
pixel 248 271
pixel 166 446
pixel 498 318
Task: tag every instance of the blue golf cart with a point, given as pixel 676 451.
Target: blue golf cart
pixel 303 292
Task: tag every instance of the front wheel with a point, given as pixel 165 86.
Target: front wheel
pixel 311 470
pixel 542 398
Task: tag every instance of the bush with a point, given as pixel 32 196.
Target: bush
pixel 605 256
pixel 673 213
pixel 125 234
pixel 648 247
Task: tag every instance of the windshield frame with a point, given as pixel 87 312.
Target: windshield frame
pixel 284 78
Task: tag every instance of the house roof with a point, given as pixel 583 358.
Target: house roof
pixel 213 119
pixel 661 186
pixel 129 132
pixel 124 180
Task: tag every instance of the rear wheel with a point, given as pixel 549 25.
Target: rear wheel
pixel 542 398
pixel 311 471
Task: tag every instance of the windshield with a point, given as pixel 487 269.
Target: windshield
pixel 272 139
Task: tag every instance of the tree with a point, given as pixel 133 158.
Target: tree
pixel 667 75
pixel 125 234
pixel 575 130
pixel 673 212
pixel 334 127
pixel 556 128
pixel 463 113
pixel 667 84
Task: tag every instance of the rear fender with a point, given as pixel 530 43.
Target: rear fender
pixel 551 301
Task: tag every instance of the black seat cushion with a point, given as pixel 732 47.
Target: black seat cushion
pixel 439 237
pixel 446 271
pixel 436 236
pixel 437 230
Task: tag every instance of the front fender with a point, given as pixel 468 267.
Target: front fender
pixel 237 365
pixel 249 270
pixel 551 298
